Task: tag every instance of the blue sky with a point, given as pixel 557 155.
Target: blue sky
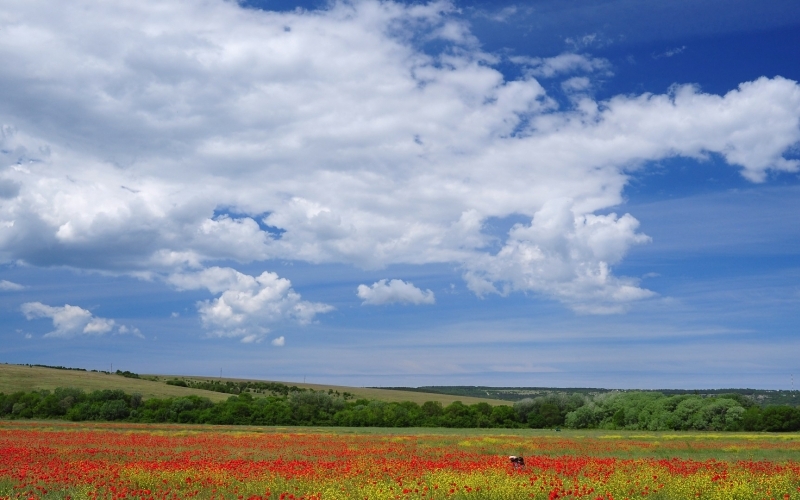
pixel 542 193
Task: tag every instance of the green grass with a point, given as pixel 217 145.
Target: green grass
pixel 700 446
pixel 14 378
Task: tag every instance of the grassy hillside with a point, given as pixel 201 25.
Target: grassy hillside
pixel 388 395
pixel 15 378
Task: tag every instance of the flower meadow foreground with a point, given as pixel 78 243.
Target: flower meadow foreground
pixel 116 461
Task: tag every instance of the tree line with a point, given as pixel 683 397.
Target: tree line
pixel 628 410
pixel 241 386
pixel 301 407
pixel 513 394
pixel 655 411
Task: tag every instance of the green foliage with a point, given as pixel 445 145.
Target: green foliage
pixel 745 397
pixel 245 386
pixel 656 412
pixel 432 409
pixel 503 416
pixel 302 407
pixel 621 410
pixel 550 410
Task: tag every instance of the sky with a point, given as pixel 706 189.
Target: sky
pixel 385 193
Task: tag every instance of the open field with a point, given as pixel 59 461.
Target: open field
pixel 15 378
pixel 58 460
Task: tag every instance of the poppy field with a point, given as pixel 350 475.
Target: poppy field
pixel 58 460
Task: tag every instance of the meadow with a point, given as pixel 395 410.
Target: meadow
pixel 60 460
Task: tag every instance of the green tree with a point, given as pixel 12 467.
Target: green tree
pixel 503 416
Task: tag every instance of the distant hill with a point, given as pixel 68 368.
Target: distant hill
pixel 760 396
pixel 14 378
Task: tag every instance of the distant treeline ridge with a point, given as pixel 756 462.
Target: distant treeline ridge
pixel 241 386
pixel 512 394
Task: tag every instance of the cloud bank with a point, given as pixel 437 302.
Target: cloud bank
pixel 394 292
pixel 174 135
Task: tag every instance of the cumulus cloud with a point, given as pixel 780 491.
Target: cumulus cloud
pixel 394 292
pixel 9 286
pixel 70 321
pixel 175 134
pixel 279 342
pixel 564 255
pixel 247 305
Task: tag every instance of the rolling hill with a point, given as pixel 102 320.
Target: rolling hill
pixel 15 378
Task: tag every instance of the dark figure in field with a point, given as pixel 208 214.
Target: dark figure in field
pixel 517 462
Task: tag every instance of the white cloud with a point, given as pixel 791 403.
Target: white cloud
pixel 123 330
pixel 585 41
pixel 155 143
pixel 568 62
pixel 247 304
pixel 394 292
pixel 68 321
pixel 670 52
pixel 505 14
pixel 576 84
pixel 564 255
pixel 8 286
pixel 279 342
